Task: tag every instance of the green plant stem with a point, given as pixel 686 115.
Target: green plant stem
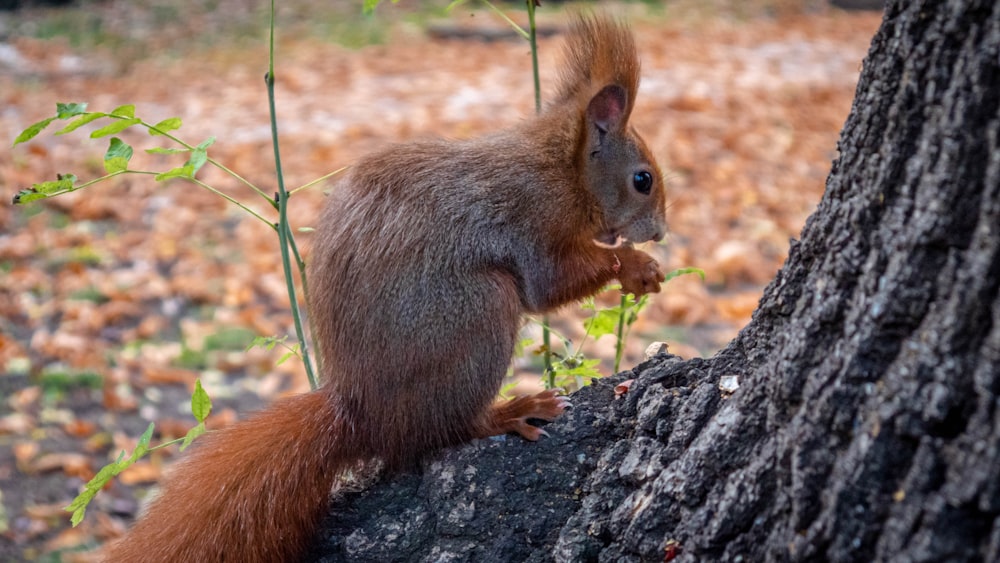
pixel 301 264
pixel 101 179
pixel 620 333
pixel 228 198
pixel 151 173
pixel 284 232
pixel 240 179
pixel 533 40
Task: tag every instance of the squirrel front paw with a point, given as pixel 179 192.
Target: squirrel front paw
pixel 640 274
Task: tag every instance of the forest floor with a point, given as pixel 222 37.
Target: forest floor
pixel 116 298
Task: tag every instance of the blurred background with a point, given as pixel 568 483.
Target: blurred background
pixel 113 299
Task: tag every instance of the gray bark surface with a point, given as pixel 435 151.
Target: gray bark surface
pixel 867 422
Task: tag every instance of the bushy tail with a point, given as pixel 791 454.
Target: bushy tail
pixel 253 492
pixel 598 51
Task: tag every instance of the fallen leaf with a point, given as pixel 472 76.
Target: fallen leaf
pixel 16 423
pixel 46 511
pixel 140 472
pixel 24 452
pixel 78 428
pixel 162 375
pixel 69 462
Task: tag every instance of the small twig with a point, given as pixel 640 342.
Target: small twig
pixel 284 231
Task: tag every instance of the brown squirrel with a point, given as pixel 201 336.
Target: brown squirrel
pixel 425 260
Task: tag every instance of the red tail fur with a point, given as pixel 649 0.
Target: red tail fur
pixel 252 492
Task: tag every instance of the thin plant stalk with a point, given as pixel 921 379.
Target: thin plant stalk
pixel 322 178
pixel 620 333
pixel 284 231
pixel 533 40
pixel 520 31
pixel 305 291
pixel 228 198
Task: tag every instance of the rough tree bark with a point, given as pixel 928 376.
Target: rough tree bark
pixel 867 423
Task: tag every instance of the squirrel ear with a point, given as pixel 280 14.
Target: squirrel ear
pixel 607 108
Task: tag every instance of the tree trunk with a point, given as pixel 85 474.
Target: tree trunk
pixel 867 421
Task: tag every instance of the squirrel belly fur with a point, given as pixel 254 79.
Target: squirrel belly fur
pixel 426 257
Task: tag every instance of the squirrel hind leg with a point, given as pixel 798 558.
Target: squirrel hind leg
pixel 513 415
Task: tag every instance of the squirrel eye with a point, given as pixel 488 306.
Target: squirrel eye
pixel 643 182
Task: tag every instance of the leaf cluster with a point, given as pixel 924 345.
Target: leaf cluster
pixel 572 369
pixel 201 406
pixel 118 154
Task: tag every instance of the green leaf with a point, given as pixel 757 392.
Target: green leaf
pixel 199 157
pixel 506 391
pixel 603 322
pixel 79 505
pixel 266 342
pixel 115 164
pixel 80 122
pixel 201 404
pixel 285 357
pixel 46 189
pixel 117 147
pixel 191 435
pixel 127 111
pixel 165 126
pixel 521 345
pixel 66 111
pixel 206 143
pixel 115 127
pixel 32 131
pixel 27 195
pixel 161 150
pixel 682 271
pixel 185 171
pixel 117 157
pixel 143 446
pixel 634 308
pixel 586 369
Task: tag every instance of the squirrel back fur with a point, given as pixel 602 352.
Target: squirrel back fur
pixel 426 257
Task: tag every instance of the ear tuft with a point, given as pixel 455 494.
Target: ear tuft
pixel 607 108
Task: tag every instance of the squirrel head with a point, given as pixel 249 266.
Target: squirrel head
pixel 600 79
pixel 620 173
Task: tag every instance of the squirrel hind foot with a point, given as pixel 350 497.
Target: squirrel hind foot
pixel 512 416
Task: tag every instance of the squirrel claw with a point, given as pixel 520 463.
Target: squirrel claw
pixel 513 415
pixel 529 432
